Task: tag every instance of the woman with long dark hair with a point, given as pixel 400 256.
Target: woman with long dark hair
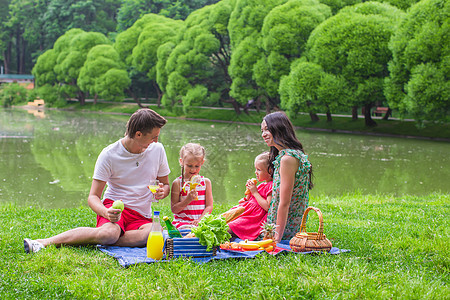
pixel 292 175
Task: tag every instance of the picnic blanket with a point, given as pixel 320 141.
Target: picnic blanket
pixel 127 256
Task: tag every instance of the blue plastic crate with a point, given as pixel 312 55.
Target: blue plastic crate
pixel 186 247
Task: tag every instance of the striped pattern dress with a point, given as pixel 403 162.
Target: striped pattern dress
pixel 194 209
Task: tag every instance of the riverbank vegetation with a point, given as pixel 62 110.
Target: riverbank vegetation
pixel 299 55
pixel 341 123
pixel 399 250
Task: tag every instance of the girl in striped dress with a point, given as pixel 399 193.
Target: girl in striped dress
pixel 190 205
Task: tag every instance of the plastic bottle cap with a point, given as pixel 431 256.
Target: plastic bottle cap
pixel 156 213
pixel 165 218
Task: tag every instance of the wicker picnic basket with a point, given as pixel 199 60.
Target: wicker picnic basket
pixel 310 241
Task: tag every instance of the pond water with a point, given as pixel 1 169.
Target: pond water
pixel 47 158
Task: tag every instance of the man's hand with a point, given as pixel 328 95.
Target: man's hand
pixel 159 194
pixel 113 214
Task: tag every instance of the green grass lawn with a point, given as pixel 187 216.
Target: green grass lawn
pixel 341 124
pixel 399 250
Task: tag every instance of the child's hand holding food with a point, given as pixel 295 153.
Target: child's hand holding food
pixel 192 195
pixel 251 186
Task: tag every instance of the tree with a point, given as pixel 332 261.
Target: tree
pixel 402 4
pixel 30 27
pixel 138 46
pixel 309 88
pixel 132 10
pixel 163 54
pixel 21 33
pixel 125 43
pixel 244 28
pixel 354 46
pixel 63 15
pixel 12 93
pixel 49 87
pixel 45 76
pixel 199 60
pixel 419 71
pixel 157 31
pixel 337 5
pixel 111 85
pixel 4 13
pixel 180 10
pixel 243 58
pixel 44 69
pixel 59 68
pixel 284 35
pixel 103 74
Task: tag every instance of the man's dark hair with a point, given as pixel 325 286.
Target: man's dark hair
pixel 144 120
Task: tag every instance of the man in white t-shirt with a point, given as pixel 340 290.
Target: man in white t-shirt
pixel 126 168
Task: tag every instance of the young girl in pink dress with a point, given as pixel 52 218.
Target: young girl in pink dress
pixel 189 206
pixel 248 224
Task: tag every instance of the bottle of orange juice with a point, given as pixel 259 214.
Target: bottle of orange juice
pixel 155 241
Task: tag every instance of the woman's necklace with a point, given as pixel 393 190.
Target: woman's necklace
pixel 137 158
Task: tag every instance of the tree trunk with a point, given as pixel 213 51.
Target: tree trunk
pixel 236 106
pixel 22 55
pixel 135 98
pixel 18 42
pixel 367 117
pixel 314 117
pixel 146 91
pixel 355 113
pixel 81 98
pixel 159 92
pixel 6 62
pixel 139 102
pixel 95 98
pixel 268 108
pixel 7 57
pixel 225 93
pixel 258 104
pixel 329 118
pixel 388 114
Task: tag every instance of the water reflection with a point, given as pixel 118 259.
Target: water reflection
pixel 39 113
pixel 49 162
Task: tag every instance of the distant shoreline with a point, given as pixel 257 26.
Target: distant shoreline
pixel 118 108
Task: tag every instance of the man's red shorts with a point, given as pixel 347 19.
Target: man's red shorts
pixel 129 220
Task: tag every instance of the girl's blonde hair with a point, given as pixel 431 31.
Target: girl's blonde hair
pixel 265 157
pixel 193 149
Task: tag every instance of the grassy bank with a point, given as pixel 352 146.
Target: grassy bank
pixel 399 250
pixel 339 123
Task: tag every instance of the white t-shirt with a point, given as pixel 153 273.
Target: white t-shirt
pixel 127 174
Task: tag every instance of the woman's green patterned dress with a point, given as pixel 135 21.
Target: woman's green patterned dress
pixel 300 194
